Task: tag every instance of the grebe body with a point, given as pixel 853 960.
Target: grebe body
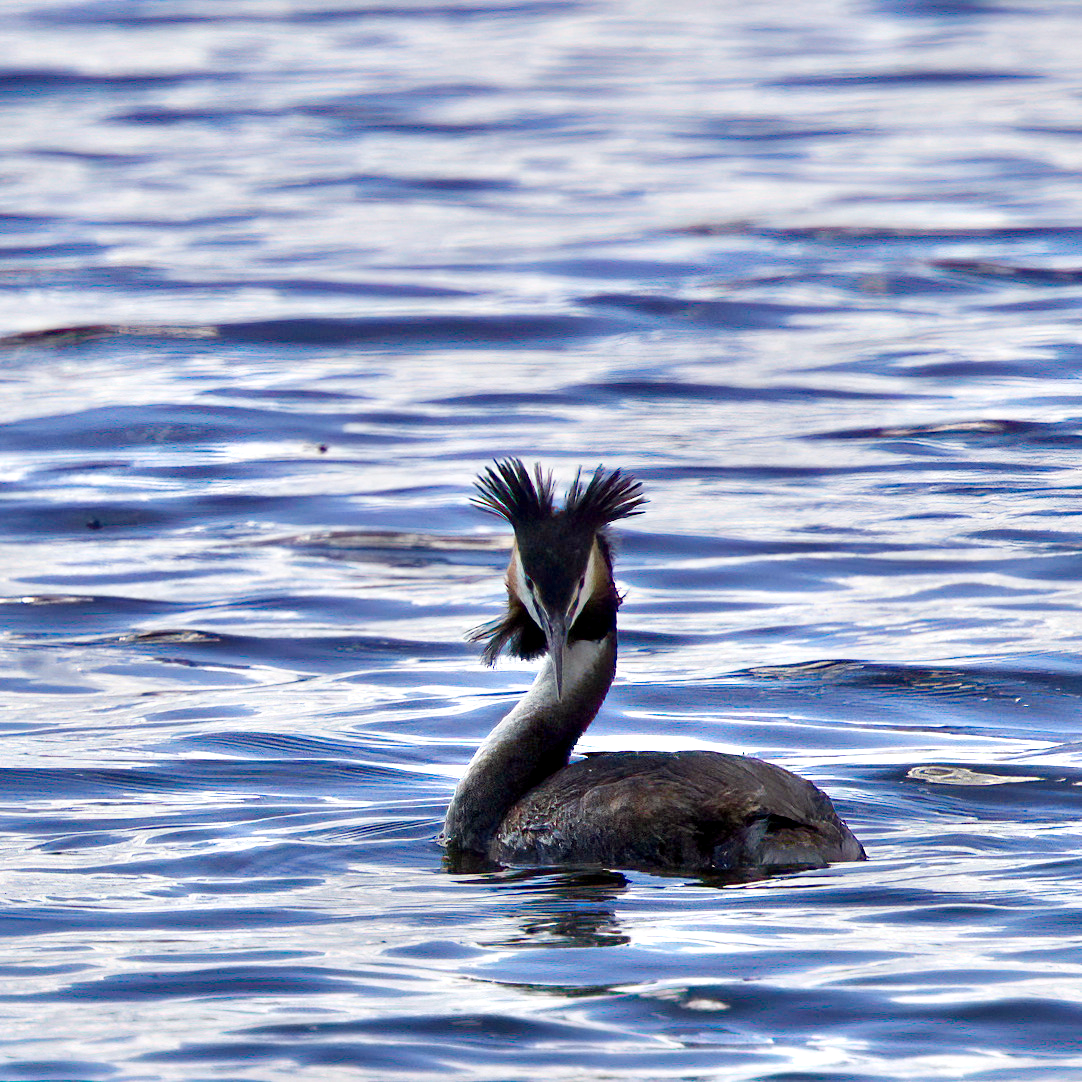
pixel 522 802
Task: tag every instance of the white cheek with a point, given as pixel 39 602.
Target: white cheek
pixel 531 608
pixel 576 606
pixel 586 588
pixel 523 594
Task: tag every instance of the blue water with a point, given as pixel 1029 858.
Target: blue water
pixel 279 279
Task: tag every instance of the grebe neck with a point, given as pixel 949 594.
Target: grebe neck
pixel 531 743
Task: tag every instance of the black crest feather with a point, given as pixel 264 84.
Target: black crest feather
pixel 607 496
pixel 508 490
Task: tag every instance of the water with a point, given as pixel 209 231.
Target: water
pixel 281 278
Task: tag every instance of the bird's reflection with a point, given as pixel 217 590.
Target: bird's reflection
pixel 569 907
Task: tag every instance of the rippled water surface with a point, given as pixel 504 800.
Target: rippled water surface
pixel 280 278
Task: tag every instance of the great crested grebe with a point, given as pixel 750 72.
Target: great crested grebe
pixel 520 802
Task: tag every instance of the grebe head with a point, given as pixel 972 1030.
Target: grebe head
pixel 559 581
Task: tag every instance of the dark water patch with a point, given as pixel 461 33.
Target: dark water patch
pixel 200 713
pixel 349 611
pixel 109 576
pixel 863 234
pixel 123 16
pixel 1048 567
pixel 1053 870
pixel 23 223
pixel 674 546
pixel 769 130
pixel 319 777
pixel 816 1076
pixel 1007 685
pixel 1048 920
pixel 834 705
pixel 60 337
pixel 958 591
pixel 465 1028
pixel 429 1042
pixel 355 424
pixel 944 9
pixel 389 108
pixel 42 971
pixel 907 1028
pixel 328 288
pixel 254 981
pixel 31 518
pixel 79 784
pixel 172 425
pixel 24 82
pixel 981 678
pixel 297 456
pixel 449 950
pixel 421 331
pixel 772 575
pixel 1065 304
pixel 1029 433
pixel 165 117
pixel 48 613
pixel 62 1070
pixel 406 112
pixel 765 575
pixel 435 1044
pixel 967 369
pixel 497 400
pixel 350 118
pixel 720 392
pixel 738 315
pixel 394 828
pixel 173 821
pixel 65 684
pixel 905 79
pixel 1022 482
pixel 1024 1023
pixel 137 279
pixel 394 548
pixel 34 920
pixel 185 958
pixel 58 250
pixel 891 283
pixel 62 469
pixel 394 186
pixel 193 220
pixel 392 1059
pixel 282 866
pixel 308 653
pixel 79 841
pixel 1010 272
pixel 105 157
pixel 305 396
pixel 273 745
pixel 599 267
pixel 1051 539
pixel 894 469
pixel 132 17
